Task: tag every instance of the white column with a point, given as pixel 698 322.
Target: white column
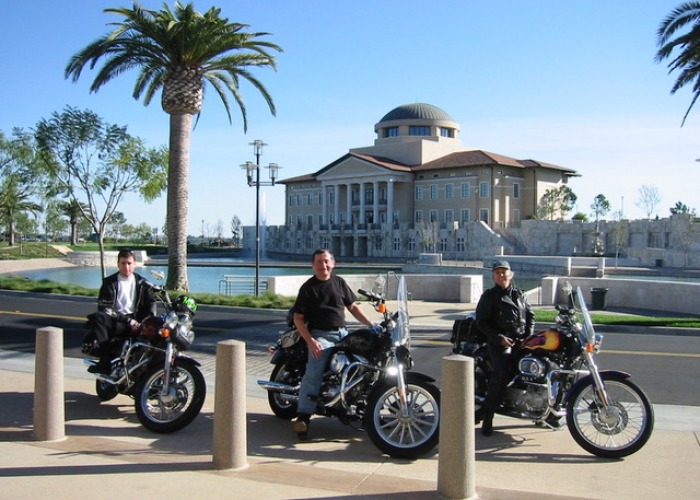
pixel 348 202
pixel 390 201
pixel 324 201
pixel 362 203
pixel 336 204
pixel 375 205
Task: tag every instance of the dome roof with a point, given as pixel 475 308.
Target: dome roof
pixel 416 111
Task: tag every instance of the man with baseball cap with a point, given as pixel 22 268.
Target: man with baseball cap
pixel 505 317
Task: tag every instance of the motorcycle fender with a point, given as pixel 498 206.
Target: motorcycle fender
pixel 276 357
pixel 188 358
pixel 411 376
pixel 603 374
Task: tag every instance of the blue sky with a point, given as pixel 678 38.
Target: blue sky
pixel 572 83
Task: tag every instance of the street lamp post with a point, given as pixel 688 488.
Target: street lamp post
pixel 253 177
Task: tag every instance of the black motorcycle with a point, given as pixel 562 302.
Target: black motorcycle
pixel 555 376
pixel 367 382
pixel 150 366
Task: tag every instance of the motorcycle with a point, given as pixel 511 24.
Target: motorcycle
pixel 150 366
pixel 367 381
pixel 555 376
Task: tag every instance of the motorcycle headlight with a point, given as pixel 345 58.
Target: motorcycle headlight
pixel 184 337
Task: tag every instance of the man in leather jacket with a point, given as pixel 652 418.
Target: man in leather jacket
pixel 505 317
pixel 125 299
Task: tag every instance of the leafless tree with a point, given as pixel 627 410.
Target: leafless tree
pixel 649 199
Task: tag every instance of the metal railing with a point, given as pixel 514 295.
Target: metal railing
pixel 237 285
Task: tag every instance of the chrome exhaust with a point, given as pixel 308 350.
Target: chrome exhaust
pixel 271 386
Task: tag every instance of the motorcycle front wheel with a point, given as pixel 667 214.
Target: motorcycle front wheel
pixel 174 410
pixel 408 435
pixel 612 431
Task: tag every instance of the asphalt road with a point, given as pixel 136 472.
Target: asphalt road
pixel 667 367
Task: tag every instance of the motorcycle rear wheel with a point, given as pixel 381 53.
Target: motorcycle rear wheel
pixel 410 436
pixel 179 407
pixel 282 405
pixel 614 431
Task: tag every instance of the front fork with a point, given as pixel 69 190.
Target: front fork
pixel 597 380
pixel 169 351
pixel 401 389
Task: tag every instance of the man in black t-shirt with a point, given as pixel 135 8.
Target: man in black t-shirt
pixel 319 315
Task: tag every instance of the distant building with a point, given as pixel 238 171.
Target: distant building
pixel 417 189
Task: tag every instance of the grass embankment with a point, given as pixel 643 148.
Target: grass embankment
pixel 612 318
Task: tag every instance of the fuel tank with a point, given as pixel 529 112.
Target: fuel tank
pixel 546 340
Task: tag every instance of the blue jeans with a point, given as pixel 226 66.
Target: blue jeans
pixel 315 368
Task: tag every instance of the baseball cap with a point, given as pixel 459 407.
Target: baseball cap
pixel 500 264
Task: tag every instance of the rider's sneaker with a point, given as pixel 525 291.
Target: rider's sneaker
pixel 301 425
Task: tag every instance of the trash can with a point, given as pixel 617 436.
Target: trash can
pixel 598 298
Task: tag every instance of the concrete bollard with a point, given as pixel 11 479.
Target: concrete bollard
pixel 49 400
pixel 456 461
pixel 230 448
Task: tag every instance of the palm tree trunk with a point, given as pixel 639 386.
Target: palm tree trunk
pixel 178 169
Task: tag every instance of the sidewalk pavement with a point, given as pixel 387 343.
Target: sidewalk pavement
pixel 107 454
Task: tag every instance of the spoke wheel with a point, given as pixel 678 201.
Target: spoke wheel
pixel 404 434
pixel 612 431
pixel 176 409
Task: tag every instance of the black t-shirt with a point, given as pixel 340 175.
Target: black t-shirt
pixel 323 303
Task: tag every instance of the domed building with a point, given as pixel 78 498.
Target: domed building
pixel 417 189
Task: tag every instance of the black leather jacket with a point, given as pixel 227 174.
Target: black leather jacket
pixel 504 312
pixel 144 302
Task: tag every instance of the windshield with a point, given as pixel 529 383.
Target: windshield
pixel 402 332
pixel 588 331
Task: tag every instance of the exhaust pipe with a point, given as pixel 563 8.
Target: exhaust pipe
pixel 271 386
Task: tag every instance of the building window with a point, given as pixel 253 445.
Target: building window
pixel 412 243
pixel 516 190
pixel 326 243
pixel 433 216
pixel 331 198
pixel 449 191
pixel 395 216
pixel 484 215
pixel 397 244
pixel 433 191
pixel 447 132
pixel 298 200
pixel 391 132
pixel 369 195
pixel 466 189
pixel 320 220
pixel 320 198
pixel 484 190
pixel 464 215
pixel 418 130
pixel 309 199
pixel 443 245
pixel 461 246
pixel 419 192
pixel 449 215
pixel 419 216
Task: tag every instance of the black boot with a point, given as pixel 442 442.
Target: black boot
pixel 104 365
pixel 487 424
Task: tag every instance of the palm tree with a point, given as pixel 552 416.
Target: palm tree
pixel 179 51
pixel 687 60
